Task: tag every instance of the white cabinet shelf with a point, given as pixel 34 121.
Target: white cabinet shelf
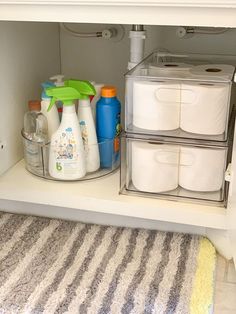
pixel 153 12
pixel 102 196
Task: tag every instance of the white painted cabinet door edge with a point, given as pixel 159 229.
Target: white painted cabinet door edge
pixel 231 208
pixel 212 13
pixel 172 3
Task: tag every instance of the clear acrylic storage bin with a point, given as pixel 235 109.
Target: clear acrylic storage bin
pixel 36 157
pixel 156 167
pixel 186 96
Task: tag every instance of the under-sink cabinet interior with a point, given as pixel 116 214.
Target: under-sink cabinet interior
pixel 32 52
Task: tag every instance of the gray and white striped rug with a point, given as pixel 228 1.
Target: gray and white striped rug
pixel 54 266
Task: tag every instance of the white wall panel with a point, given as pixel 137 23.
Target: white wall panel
pixel 29 54
pixel 98 59
pixel 106 61
pixel 213 44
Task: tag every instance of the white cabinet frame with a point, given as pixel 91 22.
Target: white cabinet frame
pixel 211 13
pixel 215 13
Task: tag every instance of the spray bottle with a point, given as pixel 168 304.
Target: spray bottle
pixel 67 156
pixel 94 100
pixel 58 81
pixel 52 115
pixel 87 124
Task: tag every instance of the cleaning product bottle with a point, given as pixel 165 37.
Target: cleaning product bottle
pixel 108 126
pixel 35 132
pixel 52 115
pixel 58 81
pixel 87 124
pixel 67 156
pixel 94 100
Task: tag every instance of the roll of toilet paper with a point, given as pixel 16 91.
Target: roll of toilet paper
pixel 221 71
pixel 202 169
pixel 156 105
pixel 204 108
pixel 169 70
pixel 171 66
pixel 154 167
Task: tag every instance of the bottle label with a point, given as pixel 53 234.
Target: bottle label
pixel 67 168
pixel 116 144
pixel 65 151
pixel 117 136
pixel 118 125
pixel 58 166
pixel 84 133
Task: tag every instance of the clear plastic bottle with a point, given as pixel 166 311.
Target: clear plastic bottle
pixel 35 133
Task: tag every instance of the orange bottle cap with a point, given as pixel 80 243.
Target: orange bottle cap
pixel 108 91
pixel 34 105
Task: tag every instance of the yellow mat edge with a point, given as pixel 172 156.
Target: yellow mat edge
pixel 203 285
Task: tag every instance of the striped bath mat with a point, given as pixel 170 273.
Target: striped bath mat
pixel 54 266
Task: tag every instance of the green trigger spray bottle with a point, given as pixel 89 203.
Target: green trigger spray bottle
pixel 67 155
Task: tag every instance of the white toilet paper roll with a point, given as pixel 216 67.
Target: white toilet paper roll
pixel 171 66
pixel 201 169
pixel 156 105
pixel 168 70
pixel 154 167
pixel 220 71
pixel 204 108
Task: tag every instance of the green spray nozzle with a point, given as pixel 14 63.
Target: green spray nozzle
pixel 85 88
pixel 65 94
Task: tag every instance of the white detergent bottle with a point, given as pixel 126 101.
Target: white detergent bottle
pixel 87 124
pixel 67 156
pixel 52 115
pixel 58 81
pixel 98 87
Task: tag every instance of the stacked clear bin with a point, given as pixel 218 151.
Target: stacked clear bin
pixel 177 140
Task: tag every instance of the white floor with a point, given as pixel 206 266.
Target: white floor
pixel 225 290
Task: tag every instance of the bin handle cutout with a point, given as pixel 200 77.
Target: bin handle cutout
pixel 171 159
pixel 160 97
